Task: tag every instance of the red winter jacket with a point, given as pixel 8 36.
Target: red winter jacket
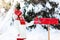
pixel 21 19
pixel 17 12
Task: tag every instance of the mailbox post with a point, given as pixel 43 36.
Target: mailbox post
pixel 48 32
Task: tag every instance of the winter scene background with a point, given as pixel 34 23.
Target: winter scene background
pixel 10 27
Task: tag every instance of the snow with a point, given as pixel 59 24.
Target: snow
pixel 10 32
pixel 48 5
pixel 41 34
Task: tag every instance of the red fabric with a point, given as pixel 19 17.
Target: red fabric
pixel 17 18
pixel 22 21
pixel 48 20
pixel 18 12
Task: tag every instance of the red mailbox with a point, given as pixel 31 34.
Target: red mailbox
pixel 48 21
pixel 45 20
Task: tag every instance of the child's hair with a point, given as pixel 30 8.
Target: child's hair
pixel 18 6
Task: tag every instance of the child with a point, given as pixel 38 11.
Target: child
pixel 21 28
